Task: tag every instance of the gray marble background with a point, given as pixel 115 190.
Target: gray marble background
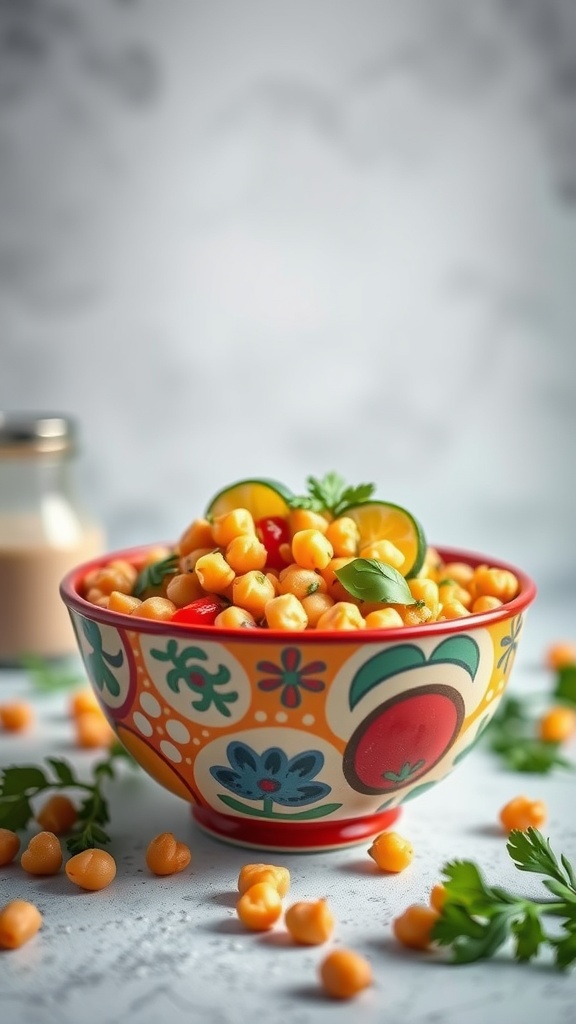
pixel 269 238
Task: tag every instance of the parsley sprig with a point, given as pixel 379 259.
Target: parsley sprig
pixel 19 785
pixel 512 736
pixel 478 919
pixel 332 494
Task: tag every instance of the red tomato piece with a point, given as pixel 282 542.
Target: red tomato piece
pixel 201 612
pixel 273 532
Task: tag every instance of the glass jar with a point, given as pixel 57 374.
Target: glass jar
pixel 44 532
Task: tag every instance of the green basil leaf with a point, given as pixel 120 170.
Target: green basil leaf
pixel 371 580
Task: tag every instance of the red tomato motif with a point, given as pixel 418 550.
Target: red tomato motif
pixel 403 739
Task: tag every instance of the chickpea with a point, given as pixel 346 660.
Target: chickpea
pixel 485 603
pixel 384 618
pixel 309 923
pixel 384 551
pixel 43 855
pixel 274 874
pixel 197 535
pixel 344 537
pixel 19 922
pixel 426 591
pixel 234 617
pixel 253 591
pixel 9 846
pixel 460 572
pixel 344 973
pixel 158 608
pixel 561 654
pixel 57 815
pixel 300 582
pixel 391 852
pixel 494 582
pixel 413 928
pixel 285 612
pixel 305 519
pixel 214 572
pixel 315 605
pixel 232 524
pixel 165 855
pixel 16 716
pixel 183 588
pixel 91 870
pixel 342 616
pixel 83 700
pixel 93 731
pixel 438 896
pixel 311 549
pixel 557 725
pixel 522 813
pixel 259 907
pixel 246 553
pixel 452 610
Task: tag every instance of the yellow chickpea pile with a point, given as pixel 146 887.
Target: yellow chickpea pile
pixel 226 559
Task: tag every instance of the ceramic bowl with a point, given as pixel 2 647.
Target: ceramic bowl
pixel 297 741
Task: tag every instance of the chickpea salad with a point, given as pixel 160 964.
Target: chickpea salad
pixel 337 558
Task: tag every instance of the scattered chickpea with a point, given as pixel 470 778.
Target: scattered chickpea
pixel 391 852
pixel 165 855
pixel 561 654
pixel 93 730
pixel 91 870
pixel 522 813
pixel 259 907
pixel 413 928
pixel 344 973
pixel 274 874
pixel 83 700
pixel 438 896
pixel 19 922
pixel 57 815
pixel 16 716
pixel 43 855
pixel 310 923
pixel 9 846
pixel 557 725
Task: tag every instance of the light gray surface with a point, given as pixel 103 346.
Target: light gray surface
pixel 148 949
pixel 276 239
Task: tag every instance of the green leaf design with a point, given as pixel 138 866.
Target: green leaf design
pixel 371 580
pixel 257 812
pixel 458 650
pixel 381 667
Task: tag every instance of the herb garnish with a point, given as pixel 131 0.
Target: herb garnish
pixel 20 784
pixel 371 580
pixel 153 575
pixel 49 677
pixel 477 919
pixel 512 735
pixel 331 494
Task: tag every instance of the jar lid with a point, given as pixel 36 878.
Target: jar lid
pixel 24 434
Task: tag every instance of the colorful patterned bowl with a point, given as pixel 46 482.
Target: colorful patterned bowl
pixel 297 741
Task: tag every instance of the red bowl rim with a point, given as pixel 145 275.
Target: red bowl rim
pixel 73 600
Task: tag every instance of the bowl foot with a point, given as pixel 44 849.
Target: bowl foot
pixel 282 837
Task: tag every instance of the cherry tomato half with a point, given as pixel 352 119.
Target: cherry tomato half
pixel 201 612
pixel 273 532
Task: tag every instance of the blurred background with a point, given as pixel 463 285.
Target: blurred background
pixel 283 238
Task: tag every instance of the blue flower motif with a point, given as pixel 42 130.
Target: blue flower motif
pixel 272 776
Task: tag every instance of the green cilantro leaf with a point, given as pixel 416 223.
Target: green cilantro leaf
pixel 331 494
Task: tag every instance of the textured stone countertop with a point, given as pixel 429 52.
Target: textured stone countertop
pixel 151 949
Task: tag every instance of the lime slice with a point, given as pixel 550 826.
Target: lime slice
pixel 380 520
pixel 261 497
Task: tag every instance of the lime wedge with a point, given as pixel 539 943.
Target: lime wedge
pixel 380 520
pixel 261 497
